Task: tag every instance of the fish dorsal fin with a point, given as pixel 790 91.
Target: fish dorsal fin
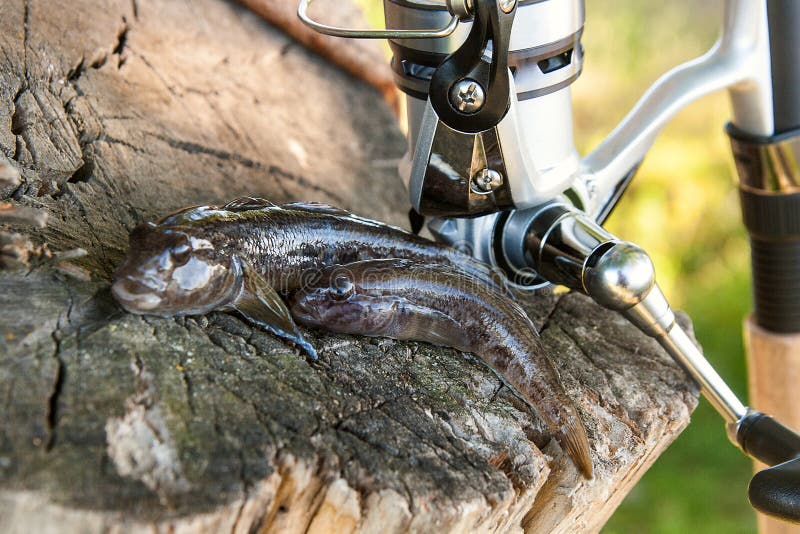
pixel 327 209
pixel 318 207
pixel 247 203
pixel 260 305
pixel 181 215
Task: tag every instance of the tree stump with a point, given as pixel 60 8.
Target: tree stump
pixel 117 112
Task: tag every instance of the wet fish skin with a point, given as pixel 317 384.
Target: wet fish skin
pixel 241 256
pixel 173 271
pixel 409 300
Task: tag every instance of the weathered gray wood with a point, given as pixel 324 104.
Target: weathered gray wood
pixel 363 58
pixel 116 112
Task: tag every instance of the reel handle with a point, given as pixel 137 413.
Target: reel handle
pixel 567 247
pixel 776 490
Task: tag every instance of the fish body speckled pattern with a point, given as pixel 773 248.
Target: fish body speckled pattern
pixel 243 255
pixel 403 299
pixel 246 255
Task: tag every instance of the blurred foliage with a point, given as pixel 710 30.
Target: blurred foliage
pixel 373 11
pixel 683 209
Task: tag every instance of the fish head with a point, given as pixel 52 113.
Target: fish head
pixel 170 271
pixel 339 303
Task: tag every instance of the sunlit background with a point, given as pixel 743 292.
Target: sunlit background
pixel 683 209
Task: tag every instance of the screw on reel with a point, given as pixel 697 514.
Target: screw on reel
pixel 470 89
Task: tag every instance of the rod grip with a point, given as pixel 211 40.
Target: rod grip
pixel 776 284
pixel 769 191
pixel 773 221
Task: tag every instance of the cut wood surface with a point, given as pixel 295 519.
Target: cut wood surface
pixel 773 365
pixel 363 58
pixel 116 112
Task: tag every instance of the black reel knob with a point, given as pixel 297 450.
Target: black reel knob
pixel 776 490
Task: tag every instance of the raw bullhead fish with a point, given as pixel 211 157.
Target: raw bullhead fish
pixel 409 300
pixel 241 256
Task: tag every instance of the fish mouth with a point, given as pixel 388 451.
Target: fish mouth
pixel 135 296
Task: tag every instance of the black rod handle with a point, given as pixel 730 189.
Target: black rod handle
pixel 766 439
pixel 783 17
pixel 769 190
pixel 776 490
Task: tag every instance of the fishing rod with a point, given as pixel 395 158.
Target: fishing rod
pixel 492 164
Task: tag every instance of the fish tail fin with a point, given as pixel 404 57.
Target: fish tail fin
pixel 576 443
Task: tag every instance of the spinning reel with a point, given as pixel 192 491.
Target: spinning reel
pixel 492 164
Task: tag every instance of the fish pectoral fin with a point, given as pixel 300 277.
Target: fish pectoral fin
pixel 260 304
pixel 247 203
pixel 432 326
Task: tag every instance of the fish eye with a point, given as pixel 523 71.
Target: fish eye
pixel 342 287
pixel 180 253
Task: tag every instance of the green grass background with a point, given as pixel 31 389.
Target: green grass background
pixel 683 209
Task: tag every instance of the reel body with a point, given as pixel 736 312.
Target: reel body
pixel 470 175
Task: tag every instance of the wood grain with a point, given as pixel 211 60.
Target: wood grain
pixel 773 364
pixel 116 112
pixel 362 58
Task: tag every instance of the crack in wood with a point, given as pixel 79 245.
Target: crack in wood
pixel 551 314
pixel 415 422
pixel 17 124
pixel 122 39
pixel 191 147
pixel 117 48
pixel 26 36
pixel 51 416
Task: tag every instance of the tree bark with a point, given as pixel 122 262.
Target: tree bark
pixel 362 58
pixel 117 112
